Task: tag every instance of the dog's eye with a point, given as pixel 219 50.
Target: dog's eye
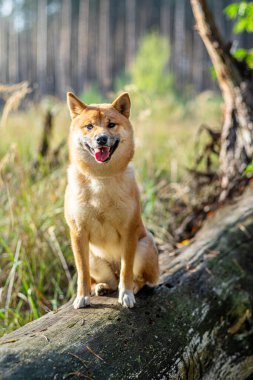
pixel 88 126
pixel 111 125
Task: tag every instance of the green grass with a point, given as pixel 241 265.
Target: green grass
pixel 34 240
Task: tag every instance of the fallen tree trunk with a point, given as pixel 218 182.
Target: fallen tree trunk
pixel 196 325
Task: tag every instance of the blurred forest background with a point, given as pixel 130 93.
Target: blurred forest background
pixel 60 44
pixel 98 48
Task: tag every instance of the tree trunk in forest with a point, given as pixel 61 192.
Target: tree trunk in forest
pixel 236 84
pixel 12 52
pixel 104 51
pixel 83 43
pixel 179 39
pixel 56 27
pixel 130 32
pixel 42 46
pixel 196 325
pixel 3 51
pixel 63 63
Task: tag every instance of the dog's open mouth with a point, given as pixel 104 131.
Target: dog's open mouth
pixel 103 153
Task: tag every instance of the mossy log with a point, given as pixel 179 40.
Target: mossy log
pixel 196 325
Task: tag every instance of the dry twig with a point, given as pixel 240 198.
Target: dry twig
pixel 13 95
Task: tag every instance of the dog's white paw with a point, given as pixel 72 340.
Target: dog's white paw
pixel 81 301
pixel 126 298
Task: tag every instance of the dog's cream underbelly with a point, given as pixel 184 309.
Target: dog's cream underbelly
pixel 108 252
pixel 105 241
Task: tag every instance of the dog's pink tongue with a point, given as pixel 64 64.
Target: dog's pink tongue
pixel 101 154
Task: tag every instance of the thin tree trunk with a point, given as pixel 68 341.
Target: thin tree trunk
pixel 63 61
pixel 42 46
pixel 197 62
pixel 179 47
pixel 104 56
pixel 83 43
pixel 235 82
pixel 50 56
pixel 56 24
pixel 13 52
pixel 130 31
pixel 165 18
pixel 3 51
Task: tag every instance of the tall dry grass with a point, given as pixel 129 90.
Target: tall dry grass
pixel 13 96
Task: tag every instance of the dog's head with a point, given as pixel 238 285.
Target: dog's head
pixel 101 135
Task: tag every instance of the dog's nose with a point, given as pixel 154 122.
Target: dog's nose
pixel 101 139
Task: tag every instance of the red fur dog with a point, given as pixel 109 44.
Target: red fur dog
pixel 111 246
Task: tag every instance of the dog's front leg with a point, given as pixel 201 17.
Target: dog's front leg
pixel 126 295
pixel 80 246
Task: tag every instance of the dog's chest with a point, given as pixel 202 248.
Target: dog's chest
pixel 110 203
pixel 111 210
pixel 105 207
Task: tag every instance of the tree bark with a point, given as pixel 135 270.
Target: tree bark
pixel 41 55
pixel 236 84
pixel 179 38
pixel 63 62
pixel 83 43
pixel 104 48
pixel 196 325
pixel 12 52
pixel 3 51
pixel 130 32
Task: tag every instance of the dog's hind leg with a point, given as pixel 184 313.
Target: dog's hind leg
pixel 104 279
pixel 146 267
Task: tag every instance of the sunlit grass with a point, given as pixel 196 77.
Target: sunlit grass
pixel 31 214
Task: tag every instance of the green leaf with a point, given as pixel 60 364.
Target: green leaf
pixel 249 169
pixel 240 54
pixel 213 73
pixel 241 25
pixel 249 58
pixel 242 8
pixel 244 55
pixel 242 13
pixel 232 10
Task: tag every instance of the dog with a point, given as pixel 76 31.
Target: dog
pixel 112 248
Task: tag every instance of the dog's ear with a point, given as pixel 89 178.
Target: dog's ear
pixel 75 105
pixel 123 104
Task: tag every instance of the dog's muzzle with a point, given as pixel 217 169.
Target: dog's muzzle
pixel 102 152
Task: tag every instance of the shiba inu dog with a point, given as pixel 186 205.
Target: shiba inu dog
pixel 111 246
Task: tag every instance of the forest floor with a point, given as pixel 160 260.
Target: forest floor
pixel 37 272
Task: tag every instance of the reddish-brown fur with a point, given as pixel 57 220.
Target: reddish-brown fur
pixel 102 206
